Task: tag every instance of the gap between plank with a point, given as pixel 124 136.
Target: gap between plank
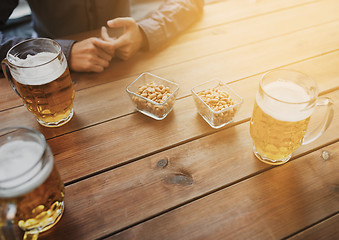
pixel 222 188
pixel 312 225
pixel 210 54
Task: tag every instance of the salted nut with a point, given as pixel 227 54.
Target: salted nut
pixel 155 93
pixel 217 100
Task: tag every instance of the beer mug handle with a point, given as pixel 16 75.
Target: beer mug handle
pixel 8 75
pixel 325 123
pixel 31 235
pixel 7 228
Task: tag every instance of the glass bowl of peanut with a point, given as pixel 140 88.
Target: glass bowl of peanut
pixel 152 95
pixel 216 102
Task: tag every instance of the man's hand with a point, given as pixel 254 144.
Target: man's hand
pixel 129 42
pixel 87 56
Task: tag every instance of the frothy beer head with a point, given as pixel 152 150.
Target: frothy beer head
pixel 284 101
pixel 20 167
pixel 37 69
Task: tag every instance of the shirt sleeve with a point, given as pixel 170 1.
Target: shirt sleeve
pixel 66 46
pixel 6 9
pixel 6 43
pixel 170 19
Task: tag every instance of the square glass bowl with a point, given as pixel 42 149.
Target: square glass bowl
pixel 219 95
pixel 152 95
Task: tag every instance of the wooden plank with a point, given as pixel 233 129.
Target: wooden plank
pixel 221 12
pixel 127 138
pixel 122 136
pixel 140 190
pixel 8 98
pixel 109 101
pixel 189 46
pixel 325 230
pixel 200 45
pixel 191 73
pixel 271 205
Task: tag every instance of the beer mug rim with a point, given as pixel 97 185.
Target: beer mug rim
pixel 9 130
pixel 8 57
pixel 310 81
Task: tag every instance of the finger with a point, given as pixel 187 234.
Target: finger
pixel 104 34
pixel 101 43
pixel 88 67
pixel 104 55
pixel 120 22
pixel 104 45
pixel 96 60
pixel 99 61
pixel 96 68
pixel 111 46
pixel 120 42
pixel 122 55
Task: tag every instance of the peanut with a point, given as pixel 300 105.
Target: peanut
pixel 152 91
pixel 155 93
pixel 217 100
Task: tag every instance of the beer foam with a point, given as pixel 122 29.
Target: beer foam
pixel 289 93
pixel 33 71
pixel 20 168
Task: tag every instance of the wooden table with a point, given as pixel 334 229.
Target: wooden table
pixel 211 185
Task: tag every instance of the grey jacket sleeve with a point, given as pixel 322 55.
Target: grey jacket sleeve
pixel 6 43
pixel 170 19
pixel 6 9
pixel 66 46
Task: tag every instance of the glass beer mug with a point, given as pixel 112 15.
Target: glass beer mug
pixel 283 106
pixel 37 70
pixel 31 191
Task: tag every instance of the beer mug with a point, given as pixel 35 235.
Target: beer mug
pixel 284 103
pixel 39 74
pixel 31 191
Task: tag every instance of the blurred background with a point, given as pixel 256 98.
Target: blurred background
pixel 19 23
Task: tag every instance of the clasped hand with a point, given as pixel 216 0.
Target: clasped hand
pixel 94 54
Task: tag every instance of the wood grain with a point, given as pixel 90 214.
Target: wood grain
pixel 116 142
pixel 325 230
pixel 224 35
pixel 141 190
pixel 191 73
pixel 221 11
pixel 130 177
pixel 197 45
pixel 270 205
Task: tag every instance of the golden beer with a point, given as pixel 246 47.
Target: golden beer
pixel 30 180
pixel 273 138
pixel 38 72
pixel 50 102
pixel 42 207
pixel 279 121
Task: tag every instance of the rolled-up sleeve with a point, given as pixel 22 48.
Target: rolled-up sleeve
pixel 170 19
pixel 66 46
